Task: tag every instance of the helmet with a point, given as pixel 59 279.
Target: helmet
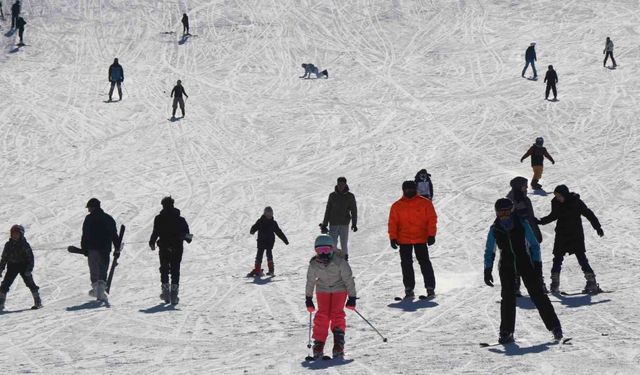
pixel 539 141
pixel 17 228
pixel 323 240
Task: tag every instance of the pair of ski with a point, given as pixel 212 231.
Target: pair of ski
pixel 584 293
pixel 420 297
pixel 564 341
pixel 324 358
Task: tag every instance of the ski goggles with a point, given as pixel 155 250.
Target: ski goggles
pixel 324 249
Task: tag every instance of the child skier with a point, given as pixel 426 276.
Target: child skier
pixel 424 185
pixel 18 259
pixel 511 234
pixel 333 280
pixel 310 68
pixel 537 152
pixel 267 229
pixel 551 78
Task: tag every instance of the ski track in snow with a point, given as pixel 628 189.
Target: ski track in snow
pixel 413 84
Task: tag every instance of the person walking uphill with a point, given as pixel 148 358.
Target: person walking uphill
pixel 511 234
pixel 332 278
pixel 15 13
pixel 608 52
pixel 176 94
pixel 567 208
pixel 116 77
pixel 341 209
pixel 412 225
pixel 537 152
pixel 17 257
pixel 267 229
pixel 551 78
pixel 185 24
pixel 530 59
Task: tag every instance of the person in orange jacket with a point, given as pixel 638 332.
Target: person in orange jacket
pixel 412 225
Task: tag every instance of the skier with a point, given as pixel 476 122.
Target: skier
pixel 424 185
pixel 310 68
pixel 537 152
pixel 116 77
pixel 567 208
pixel 511 234
pixel 412 225
pixel 15 13
pixel 178 90
pixel 17 256
pixel 185 24
pixel 551 78
pixel 341 208
pixel 98 233
pixel 20 23
pixel 530 59
pixel 608 51
pixel 267 229
pixel 524 209
pixel 333 281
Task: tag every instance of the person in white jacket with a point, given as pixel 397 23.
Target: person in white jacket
pixel 608 51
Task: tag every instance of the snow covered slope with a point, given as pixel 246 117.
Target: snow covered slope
pixel 414 84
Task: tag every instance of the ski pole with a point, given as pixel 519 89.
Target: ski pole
pixel 309 342
pixel 384 339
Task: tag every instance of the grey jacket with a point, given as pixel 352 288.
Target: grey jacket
pixel 336 276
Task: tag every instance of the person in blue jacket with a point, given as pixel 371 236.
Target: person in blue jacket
pixel 530 58
pixel 512 234
pixel 116 77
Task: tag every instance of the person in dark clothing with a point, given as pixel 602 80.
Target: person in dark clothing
pixel 185 24
pixel 177 94
pixel 15 13
pixel 341 209
pixel 17 257
pixel 116 77
pixel 567 208
pixel 267 229
pixel 530 59
pixel 1 10
pixel 551 78
pixel 169 231
pixel 98 233
pixel 511 234
pixel 312 69
pixel 20 23
pixel 424 185
pixel 608 52
pixel 537 152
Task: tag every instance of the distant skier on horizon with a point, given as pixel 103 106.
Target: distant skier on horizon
pixel 178 100
pixel 608 51
pixel 537 152
pixel 185 24
pixel 551 78
pixel 116 77
pixel 530 59
pixel 310 68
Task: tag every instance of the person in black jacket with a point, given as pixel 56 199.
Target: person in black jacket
pixel 116 77
pixel 551 78
pixel 20 23
pixel 424 184
pixel 538 153
pixel 176 94
pixel 15 13
pixel 341 209
pixel 169 231
pixel 185 24
pixel 267 229
pixel 567 208
pixel 17 257
pixel 98 233
pixel 530 59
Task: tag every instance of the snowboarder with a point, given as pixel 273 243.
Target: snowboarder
pixel 20 23
pixel 116 78
pixel 551 78
pixel 511 234
pixel 332 278
pixel 17 257
pixel 98 233
pixel 15 13
pixel 424 185
pixel 341 209
pixel 310 68
pixel 530 59
pixel 608 52
pixel 412 225
pixel 537 152
pixel 169 231
pixel 176 94
pixel 185 24
pixel 267 229
pixel 567 208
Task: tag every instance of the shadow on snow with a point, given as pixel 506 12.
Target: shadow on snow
pixel 325 364
pixel 514 349
pixel 161 307
pixel 412 305
pixel 88 306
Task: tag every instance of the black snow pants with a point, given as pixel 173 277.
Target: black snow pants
pixel 114 84
pixel 551 86
pixel 260 254
pixel 582 261
pixel 170 260
pixel 13 270
pixel 606 57
pixel 178 101
pixel 406 261
pixel 98 264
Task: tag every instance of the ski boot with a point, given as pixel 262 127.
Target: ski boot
pixel 517 286
pixel 101 294
pixel 592 286
pixel 3 298
pixel 256 272
pixel 166 293
pixel 505 337
pixel 409 294
pixel 431 293
pixel 338 343
pixel 92 292
pixel 271 269
pixel 535 185
pixel 174 294
pixel 555 283
pixel 557 333
pixel 318 350
pixel 37 301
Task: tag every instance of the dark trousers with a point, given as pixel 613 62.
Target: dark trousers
pixel 406 261
pixel 170 260
pixel 98 265
pixel 185 29
pixel 533 283
pixel 21 33
pixel 582 261
pixel 260 254
pixel 13 270
pixel 178 101
pixel 551 86
pixel 14 20
pixel 114 84
pixel 606 57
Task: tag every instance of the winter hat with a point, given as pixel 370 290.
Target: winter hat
pixel 503 204
pixel 323 240
pixel 167 202
pixel 17 228
pixel 409 185
pixel 518 182
pixel 539 141
pixel 269 210
pixel 562 190
pixel 533 44
pixel 93 203
pixel 342 179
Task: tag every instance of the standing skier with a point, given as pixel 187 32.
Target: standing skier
pixel 312 69
pixel 185 24
pixel 332 278
pixel 176 94
pixel 608 52
pixel 17 256
pixel 98 233
pixel 537 152
pixel 551 78
pixel 511 234
pixel 169 231
pixel 20 23
pixel 530 59
pixel 267 229
pixel 424 185
pixel 341 209
pixel 15 13
pixel 412 225
pixel 567 208
pixel 116 77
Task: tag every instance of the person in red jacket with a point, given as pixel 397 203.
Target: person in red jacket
pixel 412 225
pixel 537 152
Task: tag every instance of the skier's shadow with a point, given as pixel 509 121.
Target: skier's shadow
pixel 540 192
pixel 5 312
pixel 611 67
pixel 515 349
pixel 325 364
pixel 412 305
pixel 522 302
pixel 159 308
pixel 183 40
pixel 88 306
pixel 578 301
pixel 262 281
pixel 10 33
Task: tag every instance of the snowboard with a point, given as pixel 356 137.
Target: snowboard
pixel 492 344
pixel 116 255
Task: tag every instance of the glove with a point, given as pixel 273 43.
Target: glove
pixel 310 306
pixel 286 243
pixel 394 244
pixel 553 162
pixel 152 246
pixel 324 229
pixel 431 240
pixel 521 160
pixel 600 232
pixel 488 278
pixel 188 237
pixel 354 228
pixel 351 303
